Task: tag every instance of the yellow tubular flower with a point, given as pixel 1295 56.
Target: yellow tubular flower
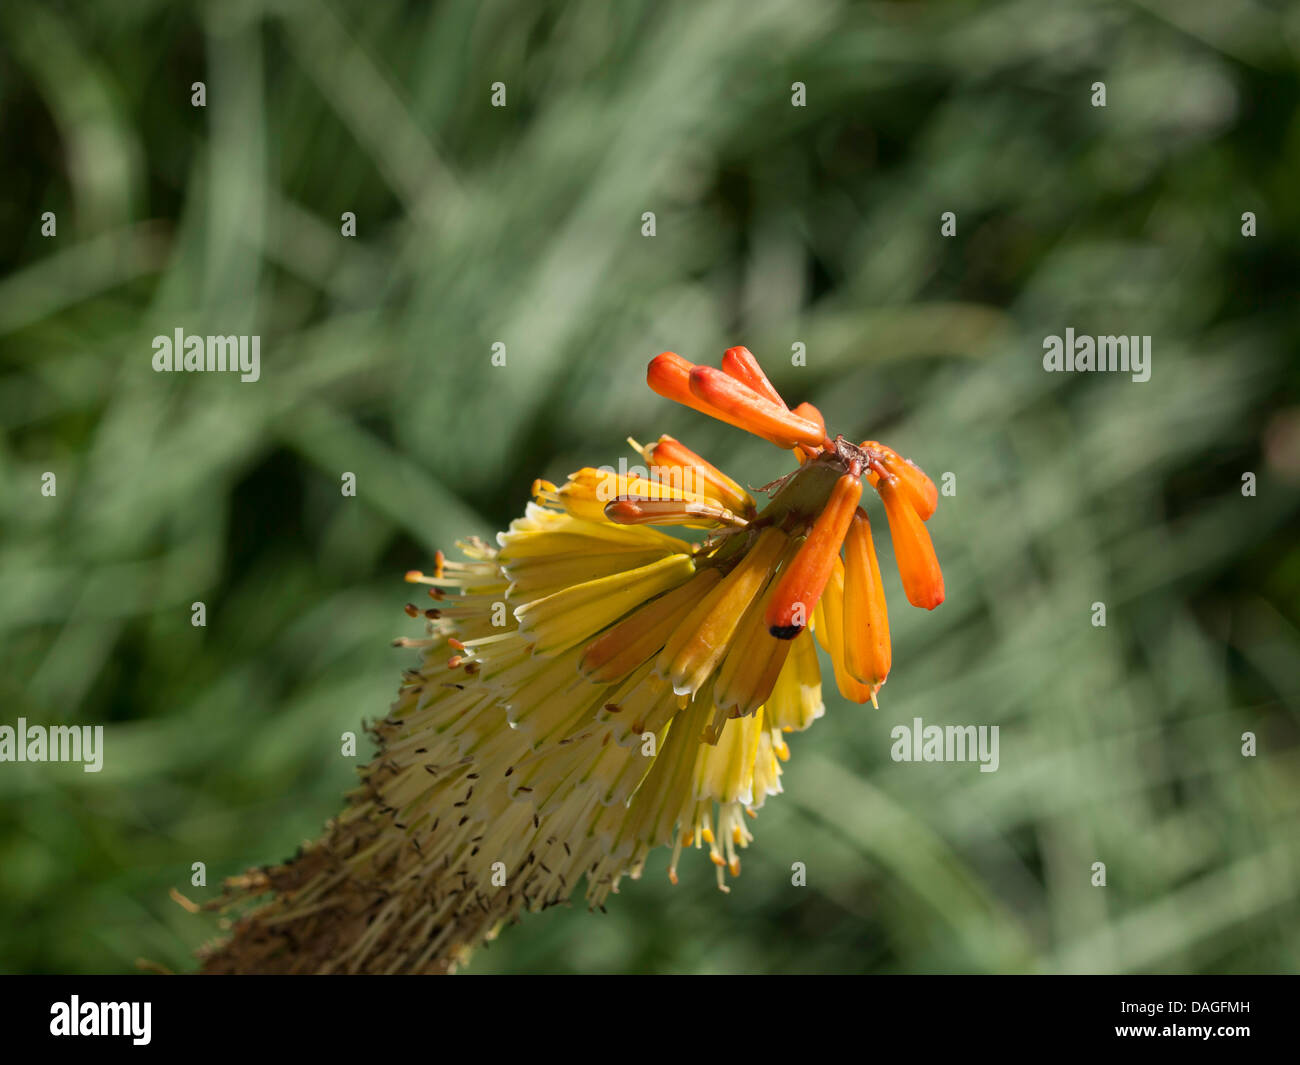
pixel 587 492
pixel 796 699
pixel 619 650
pixel 591 688
pixel 565 618
pixel 755 661
pixel 702 639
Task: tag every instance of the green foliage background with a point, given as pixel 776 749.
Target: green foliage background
pixel 776 225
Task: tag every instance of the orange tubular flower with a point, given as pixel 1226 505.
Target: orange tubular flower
pixel 751 411
pixel 866 619
pixel 920 490
pixel 688 512
pixel 698 474
pixel 800 586
pixel 807 410
pixel 831 618
pixel 917 565
pixel 812 414
pixel 740 363
pixel 670 375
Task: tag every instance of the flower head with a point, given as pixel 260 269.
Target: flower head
pixel 593 687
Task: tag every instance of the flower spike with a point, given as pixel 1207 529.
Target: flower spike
pixel 591 687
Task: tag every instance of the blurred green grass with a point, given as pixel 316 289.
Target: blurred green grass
pixel 776 225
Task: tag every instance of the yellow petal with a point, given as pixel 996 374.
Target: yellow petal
pixel 619 650
pixel 796 699
pixel 559 621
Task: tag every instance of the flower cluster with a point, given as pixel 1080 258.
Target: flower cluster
pixel 593 687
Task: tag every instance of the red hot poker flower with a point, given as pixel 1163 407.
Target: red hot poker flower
pixel 613 688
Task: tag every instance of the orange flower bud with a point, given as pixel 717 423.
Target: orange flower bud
pixel 920 490
pixel 802 581
pixel 670 512
pixel 707 478
pixel 740 363
pixel 808 411
pixel 746 408
pixel 830 617
pixel 917 565
pixel 866 619
pixel 670 376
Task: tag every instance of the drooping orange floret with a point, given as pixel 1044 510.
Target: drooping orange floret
pixel 801 584
pixel 866 618
pixel 917 565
